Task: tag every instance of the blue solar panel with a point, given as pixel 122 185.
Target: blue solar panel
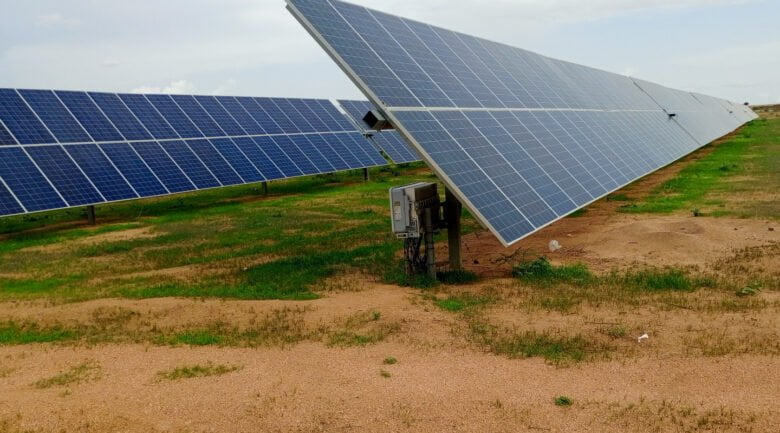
pixel 163 166
pixel 174 115
pixel 89 116
pixel 388 141
pixel 198 116
pixel 324 144
pixel 296 154
pixel 21 121
pixel 56 117
pixel 215 162
pixel 520 138
pixel 262 120
pixel 395 147
pixel 101 172
pixel 91 148
pixel 363 150
pixel 148 115
pixel 313 153
pixel 190 164
pixel 281 112
pixel 120 116
pixel 336 141
pixel 344 123
pixel 220 115
pixel 241 115
pixel 5 136
pixel 26 181
pixel 283 161
pixel 8 204
pixel 267 168
pixel 134 169
pixel 237 159
pixel 65 175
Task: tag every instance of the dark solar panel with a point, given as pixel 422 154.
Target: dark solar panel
pixel 520 138
pixel 66 148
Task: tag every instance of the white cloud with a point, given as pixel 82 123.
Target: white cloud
pixel 54 20
pixel 175 87
pixel 225 88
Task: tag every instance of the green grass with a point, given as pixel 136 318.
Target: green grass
pixel 12 333
pixel 390 361
pixel 562 400
pixel 751 157
pixel 556 349
pixel 463 302
pixel 84 372
pixel 197 370
pixel 542 271
pixel 237 243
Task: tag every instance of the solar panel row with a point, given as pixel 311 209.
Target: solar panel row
pixel 520 138
pixel 62 148
pixel 389 141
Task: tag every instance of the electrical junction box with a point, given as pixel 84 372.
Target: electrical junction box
pixel 404 204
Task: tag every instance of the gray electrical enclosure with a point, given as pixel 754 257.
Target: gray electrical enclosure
pixel 404 204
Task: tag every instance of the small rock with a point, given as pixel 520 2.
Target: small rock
pixel 554 246
pixel 771 229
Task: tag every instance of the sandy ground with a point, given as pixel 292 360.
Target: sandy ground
pixel 307 389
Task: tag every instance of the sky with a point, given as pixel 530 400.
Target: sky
pixel 725 48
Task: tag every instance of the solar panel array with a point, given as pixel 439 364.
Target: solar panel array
pixel 63 148
pixel 520 138
pixel 389 141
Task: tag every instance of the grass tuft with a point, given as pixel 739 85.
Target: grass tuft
pixel 12 333
pixel 197 370
pixel 542 271
pixel 84 372
pixel 463 302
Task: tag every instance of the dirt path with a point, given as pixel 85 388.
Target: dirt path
pixel 311 388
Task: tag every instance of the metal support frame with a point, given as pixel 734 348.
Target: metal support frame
pixel 91 215
pixel 430 252
pixel 452 213
pixel 366 175
pixel 265 188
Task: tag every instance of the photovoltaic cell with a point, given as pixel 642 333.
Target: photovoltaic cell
pixel 190 164
pixel 120 116
pixel 8 204
pixel 521 139
pixel 163 166
pixel 237 160
pixel 63 173
pixel 101 172
pixel 134 169
pixel 20 119
pixel 215 162
pixel 56 117
pixel 267 168
pixel 26 181
pixel 89 116
pixel 5 136
pixel 149 116
pixel 82 148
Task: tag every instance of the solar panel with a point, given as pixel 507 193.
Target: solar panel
pixel 521 139
pixel 389 141
pixel 61 149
